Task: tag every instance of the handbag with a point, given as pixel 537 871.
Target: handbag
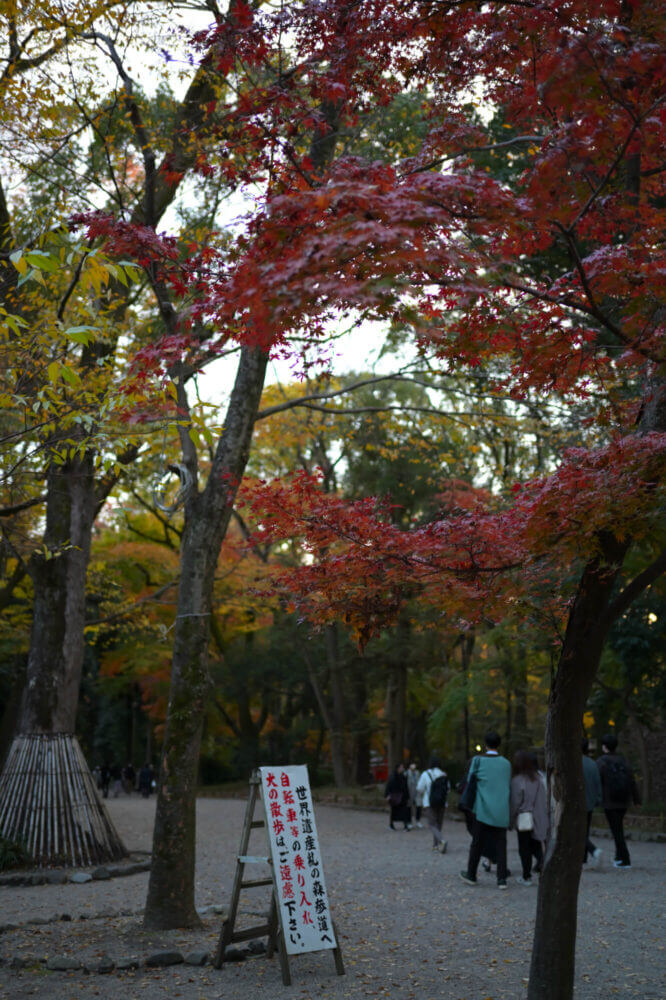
pixel 395 798
pixel 468 797
pixel 525 822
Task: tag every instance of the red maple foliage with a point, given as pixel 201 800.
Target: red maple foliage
pixel 557 275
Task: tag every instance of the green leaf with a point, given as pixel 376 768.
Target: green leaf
pixel 42 261
pixel 82 334
pixel 70 376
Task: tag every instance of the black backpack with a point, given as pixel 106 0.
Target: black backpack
pixel 618 780
pixel 439 790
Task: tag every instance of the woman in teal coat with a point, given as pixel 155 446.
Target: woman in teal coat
pixel 491 774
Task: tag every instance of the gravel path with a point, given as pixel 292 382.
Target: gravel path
pixel 409 927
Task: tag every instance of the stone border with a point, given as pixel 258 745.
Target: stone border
pixel 59 876
pixel 104 964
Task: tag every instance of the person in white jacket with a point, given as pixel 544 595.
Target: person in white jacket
pixel 434 800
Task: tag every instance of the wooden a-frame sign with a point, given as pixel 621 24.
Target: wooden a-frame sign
pixel 299 918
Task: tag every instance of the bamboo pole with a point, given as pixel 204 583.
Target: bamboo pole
pixel 48 802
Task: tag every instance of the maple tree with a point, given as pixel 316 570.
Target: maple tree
pixel 438 243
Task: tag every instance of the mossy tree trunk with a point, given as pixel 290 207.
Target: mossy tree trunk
pixel 170 901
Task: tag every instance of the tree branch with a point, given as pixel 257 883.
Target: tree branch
pixel 628 595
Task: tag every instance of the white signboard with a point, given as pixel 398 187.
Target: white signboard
pixel 299 876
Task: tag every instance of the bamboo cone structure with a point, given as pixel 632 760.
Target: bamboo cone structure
pixel 49 803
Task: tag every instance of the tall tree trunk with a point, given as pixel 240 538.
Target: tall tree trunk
pixel 338 733
pixel 170 900
pixel 554 946
pixel 396 712
pixel 50 696
pixel 360 770
pixel 466 649
pixel 637 729
pixel 57 644
pixel 521 732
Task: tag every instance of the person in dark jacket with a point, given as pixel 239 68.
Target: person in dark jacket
pixel 397 796
pixel 146 780
pixel 619 790
pixel 593 797
pixel 105 779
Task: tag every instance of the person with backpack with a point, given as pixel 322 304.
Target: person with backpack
pixel 433 787
pixel 487 795
pixel 618 789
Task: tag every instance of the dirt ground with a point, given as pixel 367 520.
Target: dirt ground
pixel 408 926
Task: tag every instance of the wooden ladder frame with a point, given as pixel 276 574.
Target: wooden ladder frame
pixel 273 928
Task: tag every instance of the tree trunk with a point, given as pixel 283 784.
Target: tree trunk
pixel 57 643
pixel 521 732
pixel 337 714
pixel 554 946
pixel 637 729
pixel 466 649
pixel 170 900
pixel 76 828
pixel 396 712
pixel 360 770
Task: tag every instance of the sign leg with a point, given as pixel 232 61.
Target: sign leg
pixel 284 958
pixel 337 954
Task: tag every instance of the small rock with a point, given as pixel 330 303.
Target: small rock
pixel 256 947
pixel 161 958
pixel 39 920
pixel 235 954
pixel 21 961
pixel 80 877
pixel 56 878
pixel 218 909
pixel 101 873
pixel 136 868
pixel 101 965
pixel 37 880
pixel 62 963
pixel 65 916
pixel 8 927
pixel 196 958
pixel 127 963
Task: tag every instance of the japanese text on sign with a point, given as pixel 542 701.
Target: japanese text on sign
pixel 292 834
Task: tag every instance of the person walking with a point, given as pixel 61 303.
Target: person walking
pixel 529 813
pixel 433 788
pixel 129 778
pixel 415 801
pixel 593 798
pixel 490 777
pixel 105 779
pixel 146 780
pixel 397 796
pixel 618 789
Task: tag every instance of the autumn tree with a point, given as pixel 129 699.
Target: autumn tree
pixel 54 99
